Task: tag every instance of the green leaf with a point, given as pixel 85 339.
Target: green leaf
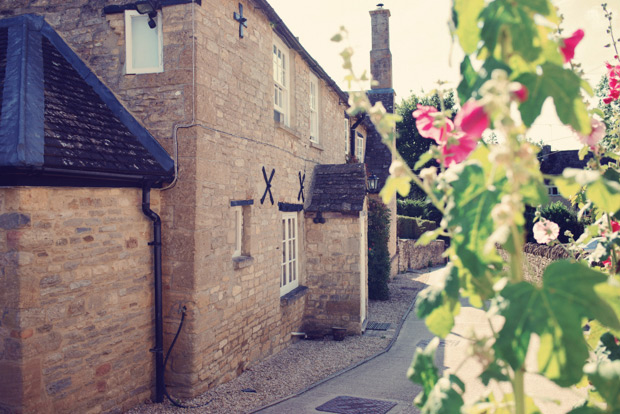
pixel 469 77
pixel 424 158
pixel 586 410
pixel 445 397
pixel 472 80
pixel 605 376
pixel 535 193
pixel 561 84
pixel 423 371
pixel 509 26
pixel 603 191
pixel 438 304
pixel 393 184
pixel 495 372
pixel 537 6
pixel 428 237
pixel 554 312
pixel 467 14
pixel 473 202
pixel 572 180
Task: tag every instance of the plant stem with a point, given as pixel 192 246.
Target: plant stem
pixel 516 258
pixel 519 391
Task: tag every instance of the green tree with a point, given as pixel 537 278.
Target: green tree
pixel 410 144
pixel 378 253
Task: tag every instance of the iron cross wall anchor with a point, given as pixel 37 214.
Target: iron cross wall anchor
pixel 268 183
pixel 300 195
pixel 242 20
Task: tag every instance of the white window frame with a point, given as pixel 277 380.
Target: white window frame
pixel 552 190
pixel 359 146
pixel 347 136
pixel 314 108
pixel 289 270
pixel 238 221
pixel 281 69
pixel 129 46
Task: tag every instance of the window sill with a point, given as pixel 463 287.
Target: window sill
pixel 286 128
pixel 293 296
pixel 316 145
pixel 241 262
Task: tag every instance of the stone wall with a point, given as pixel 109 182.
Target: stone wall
pixel 537 258
pixel 412 257
pixel 76 321
pixel 334 273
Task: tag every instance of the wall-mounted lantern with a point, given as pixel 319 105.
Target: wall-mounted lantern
pixel 373 184
pixel 319 219
pixel 149 7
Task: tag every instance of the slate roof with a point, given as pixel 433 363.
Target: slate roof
pixel 59 125
pixel 338 188
pixel 553 163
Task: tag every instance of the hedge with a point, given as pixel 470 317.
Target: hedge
pixel 413 227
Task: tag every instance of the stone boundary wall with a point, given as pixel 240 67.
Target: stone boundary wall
pixel 412 257
pixel 538 257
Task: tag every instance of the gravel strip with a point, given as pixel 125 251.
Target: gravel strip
pixel 303 363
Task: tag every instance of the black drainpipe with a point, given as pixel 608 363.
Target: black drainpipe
pixel 159 334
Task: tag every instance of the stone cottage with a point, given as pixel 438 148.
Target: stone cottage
pixel 190 159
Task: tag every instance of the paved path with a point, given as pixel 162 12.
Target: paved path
pixel 384 377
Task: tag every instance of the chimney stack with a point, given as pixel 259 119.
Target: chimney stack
pixel 380 55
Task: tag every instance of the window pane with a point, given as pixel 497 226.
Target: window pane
pixel 145 43
pixel 290 273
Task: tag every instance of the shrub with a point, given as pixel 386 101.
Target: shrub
pixel 418 207
pixel 559 213
pixel 378 253
pixel 413 227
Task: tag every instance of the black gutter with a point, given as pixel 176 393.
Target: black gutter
pixel 35 175
pixel 159 334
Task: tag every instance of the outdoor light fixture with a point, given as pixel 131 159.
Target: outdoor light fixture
pixel 373 184
pixel 319 219
pixel 149 7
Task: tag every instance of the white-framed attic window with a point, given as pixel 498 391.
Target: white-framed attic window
pixel 314 108
pixel 143 45
pixel 280 82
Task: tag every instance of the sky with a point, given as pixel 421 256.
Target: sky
pixel 422 49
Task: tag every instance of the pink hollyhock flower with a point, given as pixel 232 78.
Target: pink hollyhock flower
pixel 458 152
pixel 519 91
pixel 472 119
pixel 598 132
pixel 570 43
pixel 613 73
pixel 615 226
pixel 545 231
pixel 425 124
